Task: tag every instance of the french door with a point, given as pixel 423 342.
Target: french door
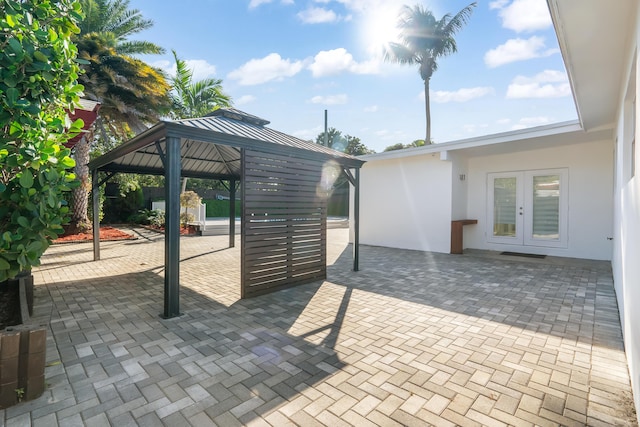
pixel 528 208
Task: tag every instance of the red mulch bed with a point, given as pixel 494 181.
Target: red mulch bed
pixel 184 231
pixel 106 234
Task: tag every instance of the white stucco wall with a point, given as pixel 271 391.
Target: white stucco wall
pixel 459 186
pixel 406 203
pixel 626 253
pixel 626 268
pixel 590 221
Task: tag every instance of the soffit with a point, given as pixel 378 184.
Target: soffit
pixel 594 37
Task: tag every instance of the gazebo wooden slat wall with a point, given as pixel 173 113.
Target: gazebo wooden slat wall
pixel 284 220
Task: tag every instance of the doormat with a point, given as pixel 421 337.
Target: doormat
pixel 524 255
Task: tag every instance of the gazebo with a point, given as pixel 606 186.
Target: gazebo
pixel 284 181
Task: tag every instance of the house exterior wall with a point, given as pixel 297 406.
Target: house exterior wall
pixel 406 203
pixel 626 252
pixel 459 186
pixel 590 196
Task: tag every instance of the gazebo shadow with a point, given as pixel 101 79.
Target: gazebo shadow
pixel 246 358
pixel 109 329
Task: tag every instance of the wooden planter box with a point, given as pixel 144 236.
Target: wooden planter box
pixel 22 353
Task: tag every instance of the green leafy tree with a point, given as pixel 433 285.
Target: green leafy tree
pixel 195 99
pixel 401 146
pixel 132 94
pixel 347 144
pixel 38 84
pixel 423 40
pixel 394 147
pixel 355 147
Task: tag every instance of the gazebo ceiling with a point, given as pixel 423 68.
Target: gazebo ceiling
pixel 210 146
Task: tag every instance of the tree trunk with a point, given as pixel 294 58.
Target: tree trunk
pixel 80 195
pixel 427 109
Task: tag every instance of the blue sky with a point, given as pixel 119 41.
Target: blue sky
pixel 289 60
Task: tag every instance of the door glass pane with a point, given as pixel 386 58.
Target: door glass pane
pixel 504 207
pixel 546 207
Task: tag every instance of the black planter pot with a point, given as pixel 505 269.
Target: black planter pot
pixel 10 299
pixel 23 344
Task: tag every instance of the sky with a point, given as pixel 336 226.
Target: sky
pixel 288 61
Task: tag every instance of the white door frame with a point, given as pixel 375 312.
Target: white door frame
pixel 516 239
pixel 524 209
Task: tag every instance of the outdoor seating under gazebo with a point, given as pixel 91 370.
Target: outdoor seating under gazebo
pixel 284 186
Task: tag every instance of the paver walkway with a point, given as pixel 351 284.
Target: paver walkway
pixel 413 339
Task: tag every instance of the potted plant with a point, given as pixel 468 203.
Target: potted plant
pixel 189 200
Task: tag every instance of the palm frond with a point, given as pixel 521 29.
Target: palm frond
pixel 130 48
pixel 400 54
pixel 195 99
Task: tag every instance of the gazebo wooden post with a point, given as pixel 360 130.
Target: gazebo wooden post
pixel 172 229
pixel 232 213
pixel 95 200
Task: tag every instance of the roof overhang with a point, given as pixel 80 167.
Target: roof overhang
pixel 564 133
pixel 594 38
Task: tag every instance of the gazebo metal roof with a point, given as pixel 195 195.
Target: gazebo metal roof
pixel 210 146
pixel 280 174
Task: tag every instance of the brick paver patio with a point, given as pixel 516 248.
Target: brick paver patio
pixel 413 339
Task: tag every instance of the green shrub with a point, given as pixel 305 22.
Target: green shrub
pixel 119 209
pixel 219 208
pixel 38 84
pixel 186 218
pixel 157 218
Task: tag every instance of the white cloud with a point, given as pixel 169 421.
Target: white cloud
pixel 503 121
pixel 200 67
pixel 336 61
pixel 393 136
pixel 270 68
pixel 474 128
pixel 523 15
pixel 371 109
pixel 547 84
pixel 255 3
pixel 330 99
pixel 319 15
pixel 527 122
pixel 498 4
pixel 308 134
pixel 460 95
pixel 164 64
pixel 366 5
pixel 517 50
pixel 245 99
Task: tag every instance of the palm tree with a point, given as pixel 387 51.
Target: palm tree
pixel 423 40
pixel 195 99
pixel 115 17
pixel 131 93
